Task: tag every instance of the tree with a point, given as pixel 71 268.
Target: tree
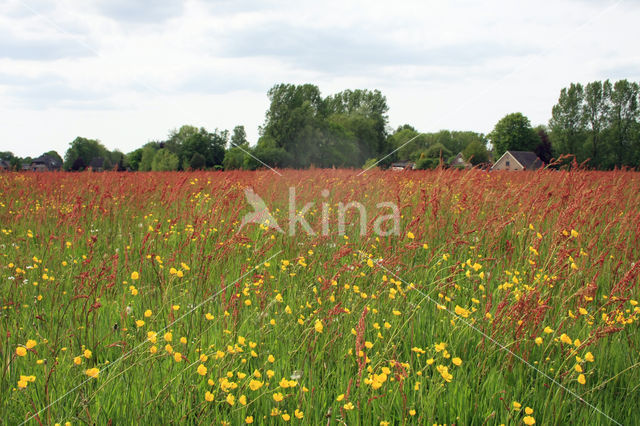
pixel 623 117
pixel 292 108
pixel 567 121
pixel 363 114
pixel 7 156
pixel 15 162
pixel 406 141
pixel 544 149
pixel 234 158
pixel 341 130
pixel 597 103
pixel 133 159
pixel 269 153
pixel 476 153
pixel 426 163
pixel 164 161
pixel 239 137
pixel 55 155
pixel 85 150
pixel 117 159
pixel 147 155
pixel 513 132
pixel 437 150
pixel 197 162
pixel 189 140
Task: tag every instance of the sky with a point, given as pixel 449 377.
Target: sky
pixel 126 72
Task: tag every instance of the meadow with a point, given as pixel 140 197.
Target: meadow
pixel 505 298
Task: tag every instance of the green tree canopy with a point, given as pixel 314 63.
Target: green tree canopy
pixel 623 117
pixel 82 151
pixel 476 153
pixel 189 140
pixel 513 132
pixel 567 121
pixel 165 161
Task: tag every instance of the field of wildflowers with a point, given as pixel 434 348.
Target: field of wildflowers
pixel 505 298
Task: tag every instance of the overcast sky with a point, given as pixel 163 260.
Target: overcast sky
pixel 128 71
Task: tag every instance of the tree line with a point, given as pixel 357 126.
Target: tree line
pixel 597 124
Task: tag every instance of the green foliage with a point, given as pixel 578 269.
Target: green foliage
pixel 146 158
pixel 437 150
pixel 14 162
pixel 544 150
pixel 234 158
pixel 427 163
pixel 197 162
pixel 598 123
pixel 189 140
pixel 164 161
pixel 55 155
pixel 447 143
pixel 239 137
pixel 82 151
pixel 476 153
pixel 595 114
pixel 624 113
pixel 567 121
pixel 133 159
pixel 371 163
pixel 513 133
pixel 342 130
pixel 267 152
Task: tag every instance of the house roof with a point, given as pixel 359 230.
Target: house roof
pixel 49 161
pixel 529 160
pixel 459 159
pixel 4 164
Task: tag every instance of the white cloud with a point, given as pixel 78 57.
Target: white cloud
pixel 125 73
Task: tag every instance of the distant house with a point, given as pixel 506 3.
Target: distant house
pixel 4 166
pixel 97 164
pixel 403 165
pixel 45 163
pixel 517 160
pixel 459 162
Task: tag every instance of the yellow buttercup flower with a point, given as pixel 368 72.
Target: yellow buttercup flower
pixel 92 372
pixel 254 385
pixel 202 370
pixel 231 400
